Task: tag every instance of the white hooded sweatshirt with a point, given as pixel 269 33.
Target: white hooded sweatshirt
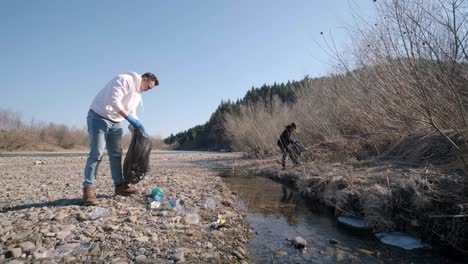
pixel 122 92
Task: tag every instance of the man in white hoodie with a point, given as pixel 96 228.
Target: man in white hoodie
pixel 117 101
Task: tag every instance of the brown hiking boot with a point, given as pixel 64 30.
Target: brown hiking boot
pixel 89 196
pixel 124 190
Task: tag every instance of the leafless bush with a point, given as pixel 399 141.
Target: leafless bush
pixel 414 64
pixel 256 128
pixel 16 135
pixel 10 120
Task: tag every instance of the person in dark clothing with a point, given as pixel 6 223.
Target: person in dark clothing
pixel 284 143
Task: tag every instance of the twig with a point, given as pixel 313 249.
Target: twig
pixel 334 205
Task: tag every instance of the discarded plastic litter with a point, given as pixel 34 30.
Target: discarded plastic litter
pixel 400 240
pixel 210 203
pixel 155 204
pixel 157 194
pixel 98 213
pixel 157 197
pixel 173 203
pixel 219 222
pixel 70 249
pixel 192 218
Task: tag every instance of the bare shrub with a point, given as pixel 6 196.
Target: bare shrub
pixel 256 128
pixel 158 143
pixel 10 120
pixel 15 135
pixel 414 64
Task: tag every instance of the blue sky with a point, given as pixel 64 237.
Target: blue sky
pixel 56 55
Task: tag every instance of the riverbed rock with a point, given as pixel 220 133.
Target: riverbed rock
pixel 299 242
pixel 121 229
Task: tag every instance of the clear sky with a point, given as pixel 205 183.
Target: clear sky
pixel 56 55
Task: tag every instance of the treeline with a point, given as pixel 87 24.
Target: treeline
pixel 212 134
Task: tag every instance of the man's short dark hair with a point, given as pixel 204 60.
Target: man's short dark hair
pixel 150 76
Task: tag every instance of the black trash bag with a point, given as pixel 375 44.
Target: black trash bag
pixel 136 163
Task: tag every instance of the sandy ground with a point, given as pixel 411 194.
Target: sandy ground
pixel 42 220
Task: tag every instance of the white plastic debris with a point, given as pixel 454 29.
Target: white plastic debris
pixel 98 213
pixel 192 218
pixel 70 249
pixel 399 239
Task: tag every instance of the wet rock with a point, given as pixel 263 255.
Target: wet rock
pixel 333 241
pixel 299 242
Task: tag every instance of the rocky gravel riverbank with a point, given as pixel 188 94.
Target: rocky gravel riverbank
pixel 42 220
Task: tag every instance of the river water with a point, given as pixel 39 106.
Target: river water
pixel 276 213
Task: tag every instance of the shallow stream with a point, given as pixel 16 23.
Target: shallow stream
pixel 276 213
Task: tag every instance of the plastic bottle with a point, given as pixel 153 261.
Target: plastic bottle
pixel 157 194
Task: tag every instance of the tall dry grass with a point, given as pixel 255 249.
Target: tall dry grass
pixel 406 73
pixel 17 135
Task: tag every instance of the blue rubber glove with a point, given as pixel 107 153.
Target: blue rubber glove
pixel 135 122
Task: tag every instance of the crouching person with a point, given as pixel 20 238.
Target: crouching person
pixel 284 143
pixel 117 101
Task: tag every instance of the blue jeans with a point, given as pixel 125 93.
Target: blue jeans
pixel 102 133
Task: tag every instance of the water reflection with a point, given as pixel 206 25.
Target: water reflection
pixel 276 212
pixel 259 196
